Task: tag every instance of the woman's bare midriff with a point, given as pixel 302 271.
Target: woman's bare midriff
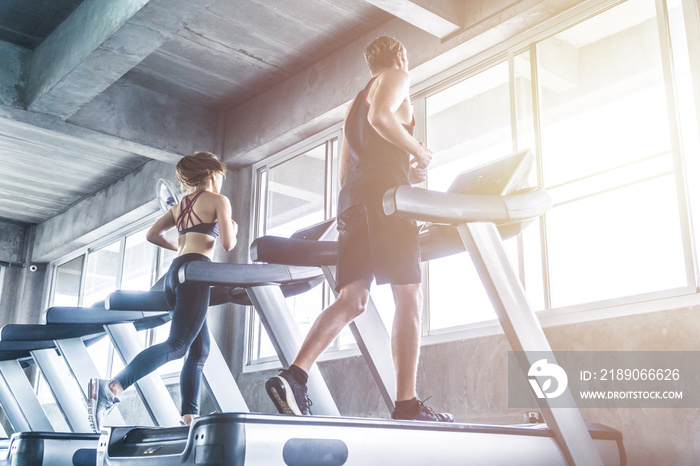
pixel 199 243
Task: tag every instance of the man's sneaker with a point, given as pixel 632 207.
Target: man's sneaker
pixel 288 395
pixel 424 413
pixel 100 402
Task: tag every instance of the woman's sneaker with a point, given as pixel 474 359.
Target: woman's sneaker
pixel 288 395
pixel 101 401
pixel 425 413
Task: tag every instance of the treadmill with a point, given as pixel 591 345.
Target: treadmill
pixel 19 402
pixel 265 287
pixel 466 218
pixel 67 332
pixel 33 443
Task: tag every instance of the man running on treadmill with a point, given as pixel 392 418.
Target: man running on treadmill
pixel 376 153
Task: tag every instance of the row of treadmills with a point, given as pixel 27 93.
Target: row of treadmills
pixel 482 207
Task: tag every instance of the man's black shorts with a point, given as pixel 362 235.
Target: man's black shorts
pixel 372 245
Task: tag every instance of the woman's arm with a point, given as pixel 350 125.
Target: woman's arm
pixel 156 234
pixel 227 227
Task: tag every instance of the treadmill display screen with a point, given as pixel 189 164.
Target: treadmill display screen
pixel 500 177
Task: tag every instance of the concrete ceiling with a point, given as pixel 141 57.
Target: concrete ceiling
pixel 90 91
pixel 212 54
pixel 27 24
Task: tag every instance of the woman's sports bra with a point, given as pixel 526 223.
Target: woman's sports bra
pixel 185 218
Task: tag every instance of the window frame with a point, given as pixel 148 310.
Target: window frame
pixel 258 208
pixel 118 236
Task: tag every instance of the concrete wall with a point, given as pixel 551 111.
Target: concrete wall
pixel 20 287
pixel 11 241
pixel 119 205
pixel 20 302
pixel 227 322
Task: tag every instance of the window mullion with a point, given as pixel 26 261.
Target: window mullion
pixel 537 127
pixel 676 147
pixel 83 278
pixel 120 265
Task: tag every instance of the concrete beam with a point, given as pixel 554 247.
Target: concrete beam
pixel 98 44
pixel 317 97
pixel 440 18
pixel 34 126
pixel 121 204
pixel 13 59
pixel 150 118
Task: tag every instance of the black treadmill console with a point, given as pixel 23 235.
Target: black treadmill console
pixel 501 177
pixel 314 232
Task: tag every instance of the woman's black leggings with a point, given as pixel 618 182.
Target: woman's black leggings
pixel 188 331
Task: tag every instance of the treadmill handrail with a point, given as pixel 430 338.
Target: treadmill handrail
pixel 23 357
pixel 34 332
pixel 454 208
pixel 155 300
pixel 93 315
pixel 244 275
pixel 24 345
pixel 293 251
pixel 123 300
pixel 435 241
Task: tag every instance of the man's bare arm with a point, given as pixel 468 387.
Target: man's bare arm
pixel 392 89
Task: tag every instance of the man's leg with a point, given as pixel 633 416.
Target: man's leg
pixel 405 348
pixel 288 389
pixel 351 302
pixel 405 338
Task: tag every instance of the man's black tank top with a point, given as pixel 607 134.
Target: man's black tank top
pixel 375 164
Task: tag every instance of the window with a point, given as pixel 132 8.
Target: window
pixel 592 102
pixel 102 273
pixel 139 262
pixel 608 160
pixel 468 124
pixel 67 282
pixel 295 190
pixel 687 98
pixel 129 262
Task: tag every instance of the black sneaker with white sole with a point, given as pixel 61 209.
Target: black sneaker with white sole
pixel 425 413
pixel 288 395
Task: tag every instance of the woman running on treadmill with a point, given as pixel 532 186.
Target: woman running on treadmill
pixel 201 217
